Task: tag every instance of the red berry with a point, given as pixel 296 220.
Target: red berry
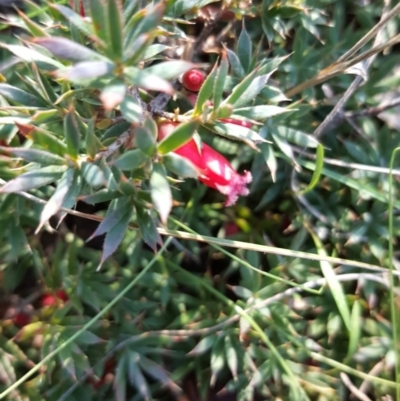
pixel 61 294
pixel 50 299
pixel 21 319
pixel 245 124
pixel 193 80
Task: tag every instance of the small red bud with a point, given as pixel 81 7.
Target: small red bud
pixel 52 299
pixel 21 319
pixel 193 79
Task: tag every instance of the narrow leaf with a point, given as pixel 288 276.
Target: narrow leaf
pixel 115 28
pixel 131 160
pixel 319 164
pixel 115 236
pixel 219 82
pixel 34 155
pixel 181 135
pixel 19 96
pixel 148 227
pixel 57 199
pixel 244 48
pixel 170 69
pixel 72 134
pixel 69 50
pixel 131 110
pixel 33 179
pixel 161 192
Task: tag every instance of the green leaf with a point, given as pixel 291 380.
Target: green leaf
pixel 104 195
pixel 146 80
pixel 236 132
pixel 86 71
pixel 19 96
pixel 116 211
pixel 69 50
pixel 181 135
pixel 98 12
pixel 234 62
pixel 260 112
pixel 71 197
pixel 217 361
pixel 241 88
pixel 148 227
pixel 131 160
pixel 32 56
pixel 134 53
pixel 72 134
pixel 115 24
pixel 284 146
pixel 180 166
pixel 145 141
pixel 269 158
pixel 34 155
pixel 319 164
pixel 93 144
pixel 131 110
pixel 205 92
pixel 244 48
pixel 43 138
pixel 231 356
pixel 161 192
pixel 136 377
pixel 144 21
pixel 333 283
pixel 54 204
pixel 170 69
pixel 219 82
pixel 33 179
pixel 203 345
pixel 355 331
pixel 33 28
pixel 251 92
pixel 120 378
pixel 115 236
pixel 296 136
pixel 93 175
pixel 76 20
pixel 154 50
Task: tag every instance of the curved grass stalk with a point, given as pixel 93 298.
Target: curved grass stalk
pixel 394 312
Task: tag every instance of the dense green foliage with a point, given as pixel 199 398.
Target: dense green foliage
pixel 123 277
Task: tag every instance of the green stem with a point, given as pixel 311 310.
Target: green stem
pixel 393 308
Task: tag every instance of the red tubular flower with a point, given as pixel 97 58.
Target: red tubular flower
pixel 215 170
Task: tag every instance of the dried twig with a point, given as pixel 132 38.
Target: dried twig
pixel 366 64
pixel 353 389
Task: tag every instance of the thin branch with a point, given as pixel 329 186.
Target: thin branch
pixel 122 140
pixel 366 384
pixel 366 64
pixel 374 111
pixel 356 166
pixel 343 63
pixel 353 389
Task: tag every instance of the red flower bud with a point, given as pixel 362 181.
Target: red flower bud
pixel 21 319
pixel 50 299
pixel 215 170
pixel 193 79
